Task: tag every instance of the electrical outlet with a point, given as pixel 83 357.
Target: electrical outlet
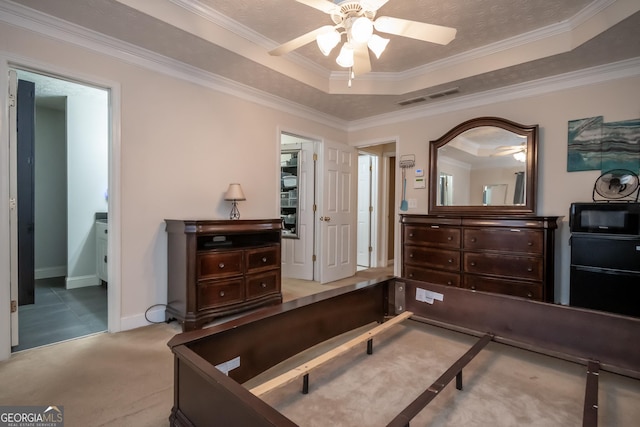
pixel 413 203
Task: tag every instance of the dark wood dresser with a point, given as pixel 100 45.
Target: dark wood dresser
pixel 502 254
pixel 221 267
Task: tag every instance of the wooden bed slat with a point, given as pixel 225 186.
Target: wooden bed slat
pixel 414 408
pixel 303 369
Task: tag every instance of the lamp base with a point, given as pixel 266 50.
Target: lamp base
pixel 235 213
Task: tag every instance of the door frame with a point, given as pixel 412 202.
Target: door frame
pixel 380 254
pixel 8 62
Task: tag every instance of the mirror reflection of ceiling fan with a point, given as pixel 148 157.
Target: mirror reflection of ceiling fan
pixel 519 152
pixel 356 20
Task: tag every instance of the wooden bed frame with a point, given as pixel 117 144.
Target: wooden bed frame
pixel 211 364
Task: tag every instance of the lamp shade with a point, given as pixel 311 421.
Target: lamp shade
pixel 345 58
pixel 327 41
pixel 377 44
pixel 234 192
pixel 361 29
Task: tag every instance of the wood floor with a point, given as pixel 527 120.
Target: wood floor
pixel 296 288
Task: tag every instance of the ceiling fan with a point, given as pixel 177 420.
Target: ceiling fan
pixel 356 20
pixel 519 152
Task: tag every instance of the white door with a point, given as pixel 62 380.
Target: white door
pixel 297 253
pixel 13 214
pixel 364 210
pixel 337 225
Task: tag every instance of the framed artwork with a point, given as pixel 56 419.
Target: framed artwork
pixel 597 145
pixel 584 151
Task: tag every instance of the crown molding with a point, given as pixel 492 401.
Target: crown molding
pixel 589 76
pixel 54 28
pixel 22 17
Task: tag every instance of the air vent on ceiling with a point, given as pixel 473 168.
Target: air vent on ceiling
pixel 447 92
pixel 412 101
pixel 436 95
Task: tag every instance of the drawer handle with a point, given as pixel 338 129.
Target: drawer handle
pixel 473 287
pixel 410 274
pixel 105 259
pixel 473 263
pixel 264 285
pixel 515 230
pixel 221 265
pixel 529 295
pixel 411 255
pixel 529 243
pixel 435 226
pixel 221 293
pixel 473 240
pixel 449 238
pixel 264 259
pixel 410 234
pixel 449 283
pixel 105 231
pixel 450 260
pixel 529 269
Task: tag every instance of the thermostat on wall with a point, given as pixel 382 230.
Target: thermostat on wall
pixel 419 183
pixel 419 172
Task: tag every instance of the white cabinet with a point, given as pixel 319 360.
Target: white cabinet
pixel 101 250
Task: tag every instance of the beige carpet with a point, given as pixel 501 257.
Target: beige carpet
pixel 126 379
pixel 503 386
pixel 121 379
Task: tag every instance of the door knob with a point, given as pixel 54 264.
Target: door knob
pixel 325 218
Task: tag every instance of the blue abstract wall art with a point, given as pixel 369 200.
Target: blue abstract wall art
pixel 597 145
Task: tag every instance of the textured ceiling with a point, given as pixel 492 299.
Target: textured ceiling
pixel 498 43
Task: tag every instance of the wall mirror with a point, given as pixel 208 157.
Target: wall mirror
pixel 486 165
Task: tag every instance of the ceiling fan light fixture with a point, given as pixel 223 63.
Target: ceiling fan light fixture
pixel 327 41
pixel 377 44
pixel 361 29
pixel 520 156
pixel 345 58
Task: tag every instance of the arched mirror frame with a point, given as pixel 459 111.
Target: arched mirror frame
pixel 531 169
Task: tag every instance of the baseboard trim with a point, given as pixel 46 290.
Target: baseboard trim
pixel 48 272
pixel 139 320
pixel 82 281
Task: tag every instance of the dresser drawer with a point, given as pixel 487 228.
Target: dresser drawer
pixel 508 287
pixel 262 284
pixel 432 276
pixel 218 293
pixel 262 259
pixel 504 239
pixel 522 267
pixel 432 257
pixel 219 265
pixel 432 235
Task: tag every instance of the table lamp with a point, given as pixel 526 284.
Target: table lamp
pixel 234 193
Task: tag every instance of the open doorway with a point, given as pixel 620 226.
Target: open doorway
pixel 68 165
pixel 376 206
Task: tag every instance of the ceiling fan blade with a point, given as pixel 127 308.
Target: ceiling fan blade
pixel 415 30
pixel 372 5
pixel 506 151
pixel 361 60
pixel 322 5
pixel 299 41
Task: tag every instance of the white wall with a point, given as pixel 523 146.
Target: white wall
pixel 50 193
pixel 87 180
pixel 180 145
pixel 557 188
